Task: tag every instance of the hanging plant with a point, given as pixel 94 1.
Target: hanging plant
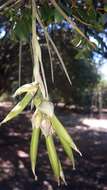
pixel 44 121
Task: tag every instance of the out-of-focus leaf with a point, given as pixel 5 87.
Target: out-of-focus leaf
pixel 57 16
pixel 73 24
pixel 82 54
pixel 89 3
pixel 105 7
pixel 47 13
pixel 91 14
pixel 77 40
pixel 21 24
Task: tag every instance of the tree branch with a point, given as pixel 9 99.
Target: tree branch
pixel 6 4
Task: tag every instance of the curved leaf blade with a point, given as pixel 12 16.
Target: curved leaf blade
pixel 62 132
pixel 18 108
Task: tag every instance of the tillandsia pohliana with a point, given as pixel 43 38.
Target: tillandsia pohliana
pixel 44 120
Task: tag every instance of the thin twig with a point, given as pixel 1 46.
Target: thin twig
pixel 6 4
pixel 73 3
pixel 81 21
pixel 6 8
pixel 60 59
pixel 20 61
pixel 55 49
pixel 50 56
pixel 71 22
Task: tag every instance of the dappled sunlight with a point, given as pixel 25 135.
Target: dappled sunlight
pixel 12 133
pixel 6 104
pixel 15 167
pixel 96 124
pixel 22 154
pixel 84 122
pixel 7 169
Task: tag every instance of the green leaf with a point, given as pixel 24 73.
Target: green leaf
pixel 21 31
pixel 57 16
pixel 18 108
pixel 62 174
pixel 34 149
pixel 77 40
pixel 105 7
pixel 89 3
pixel 62 133
pixel 53 156
pixel 22 24
pixel 68 151
pixel 47 13
pixel 74 26
pixel 91 14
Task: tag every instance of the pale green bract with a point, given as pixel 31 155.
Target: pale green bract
pixel 47 108
pixel 68 151
pixel 62 132
pixel 31 88
pixel 53 156
pixel 36 121
pixel 18 108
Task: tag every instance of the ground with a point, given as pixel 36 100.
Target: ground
pixel 90 135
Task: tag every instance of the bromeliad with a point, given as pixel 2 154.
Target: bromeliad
pixel 44 120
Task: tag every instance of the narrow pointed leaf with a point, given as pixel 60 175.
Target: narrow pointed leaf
pixel 34 148
pixel 18 108
pixel 68 151
pixel 62 174
pixel 53 156
pixel 62 132
pixel 36 122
